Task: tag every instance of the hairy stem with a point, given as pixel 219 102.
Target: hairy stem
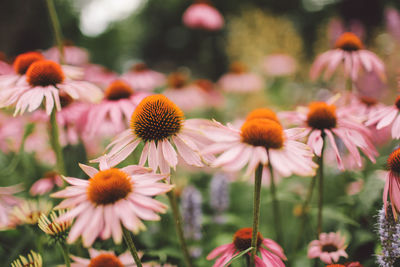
pixel 129 242
pixel 65 252
pixel 256 212
pixel 321 185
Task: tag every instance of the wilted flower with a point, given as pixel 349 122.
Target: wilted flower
pixel 191 201
pixel 58 231
pixel 329 247
pixel 32 260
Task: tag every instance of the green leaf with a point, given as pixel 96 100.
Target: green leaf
pixel 238 256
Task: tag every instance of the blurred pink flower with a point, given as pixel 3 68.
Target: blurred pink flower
pixel 385 116
pixel 239 80
pixel 336 28
pixel 44 80
pixel 73 55
pixel 323 119
pixel 350 50
pixel 110 199
pixel 392 19
pixel 260 140
pixel 141 78
pixel 355 187
pixel 202 15
pixel 279 65
pixel 329 247
pixel 158 123
pixel 117 106
pixel 46 184
pixel 392 186
pixel 98 75
pixel 11 132
pixel 271 253
pixel 212 96
pixel 7 202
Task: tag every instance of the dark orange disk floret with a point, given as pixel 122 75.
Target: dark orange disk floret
pixel 242 238
pixel 205 85
pixel 177 80
pixel 368 101
pixel 139 67
pixel 397 102
pixel 393 162
pixel 108 186
pixel 44 73
pixel 23 61
pixel 329 248
pixel 237 67
pixel 262 113
pixel 156 118
pixel 105 260
pixel 65 99
pixel 263 132
pixel 348 41
pixel 118 90
pixel 321 116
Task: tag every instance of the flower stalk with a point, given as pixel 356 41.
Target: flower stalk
pixel 256 212
pixel 65 252
pixel 56 28
pixel 129 242
pixel 321 186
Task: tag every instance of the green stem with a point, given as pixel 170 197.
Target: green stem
pixel 256 212
pixel 178 226
pixel 65 251
pixel 275 203
pixel 129 242
pixel 55 142
pixel 56 28
pixel 321 185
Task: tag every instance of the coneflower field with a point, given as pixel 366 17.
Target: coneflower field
pixel 200 133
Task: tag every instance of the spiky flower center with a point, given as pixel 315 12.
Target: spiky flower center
pixel 105 260
pixel 109 186
pixel 348 41
pixel 118 90
pixel 177 80
pixel 393 161
pixel 44 73
pixel 205 85
pixel 329 248
pixel 242 238
pixel 368 101
pixel 156 118
pixel 23 61
pixel 238 68
pixel 321 116
pixel 263 132
pixel 139 67
pixel 262 113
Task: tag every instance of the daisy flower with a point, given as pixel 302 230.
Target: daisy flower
pixel 329 247
pixel 260 140
pixel 117 106
pixel 73 55
pixel 322 119
pixel 20 65
pixel 46 184
pixel 350 50
pixel 7 202
pixel 141 78
pixel 111 199
pixel 33 259
pixel 45 79
pixel 386 116
pixel 158 123
pixel 239 80
pixel 271 253
pixel 392 186
pixel 202 15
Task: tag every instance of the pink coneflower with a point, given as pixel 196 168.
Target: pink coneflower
pixel 103 258
pixel 329 247
pixel 29 211
pixel 185 95
pixel 11 132
pixel 322 119
pixel 142 78
pixel 44 80
pixel 350 50
pixel 239 80
pixel 158 123
pixel 20 65
pixel 7 202
pixel 46 184
pixel 110 199
pixel 271 253
pixel 279 65
pixel 392 186
pixel 98 75
pixel 260 140
pixel 392 19
pixel 336 28
pixel 212 97
pixel 385 116
pixel 117 106
pixel 73 55
pixel 202 15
